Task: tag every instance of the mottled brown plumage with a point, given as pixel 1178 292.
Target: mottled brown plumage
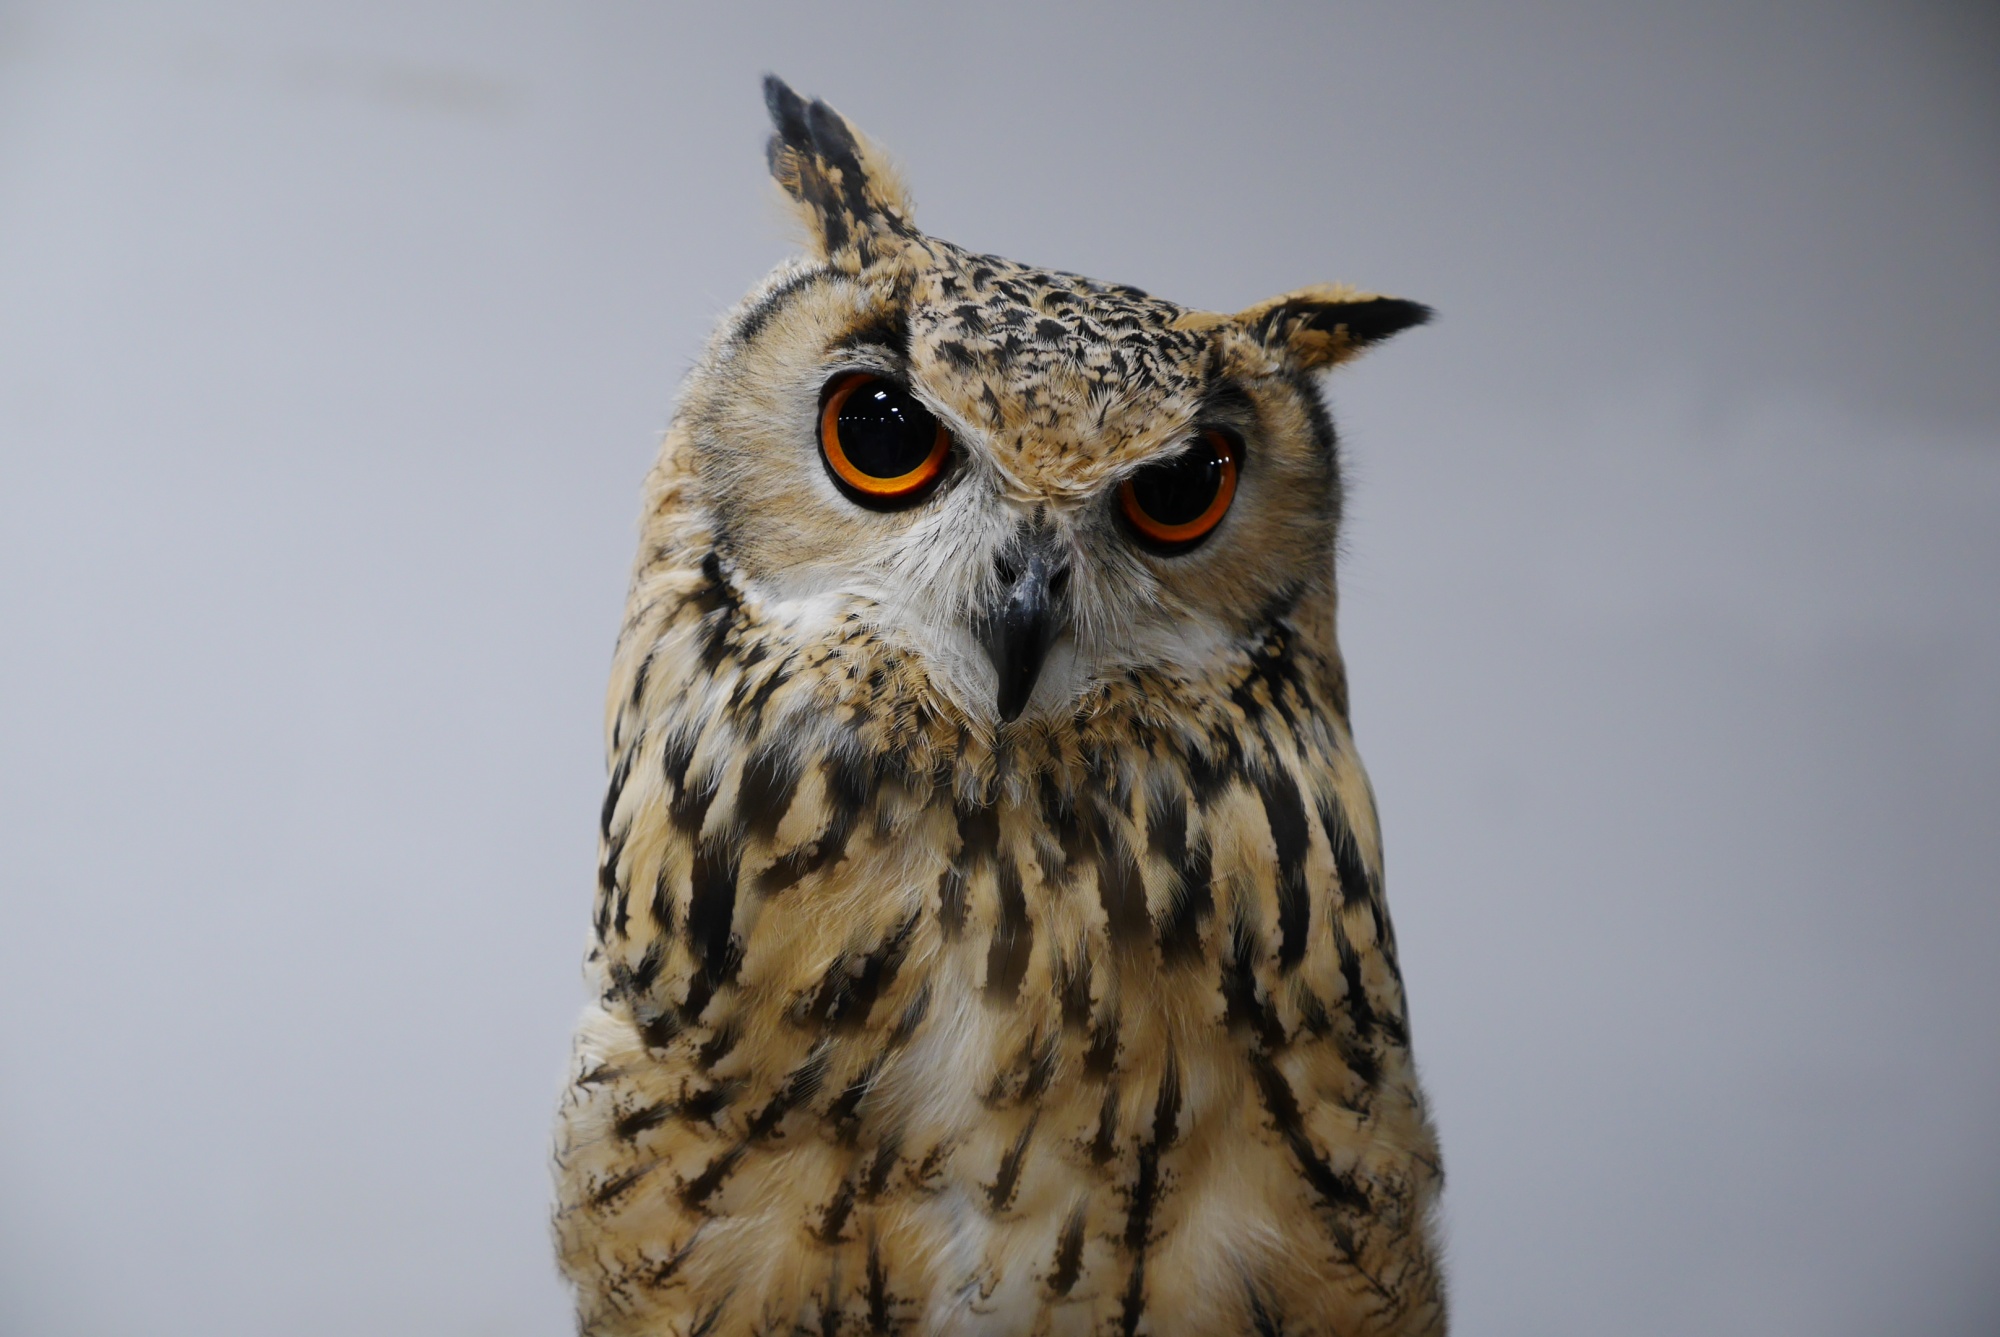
pixel 916 1019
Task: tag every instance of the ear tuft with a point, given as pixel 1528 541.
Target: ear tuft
pixel 854 206
pixel 1325 325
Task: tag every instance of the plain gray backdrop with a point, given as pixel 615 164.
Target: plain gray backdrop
pixel 335 340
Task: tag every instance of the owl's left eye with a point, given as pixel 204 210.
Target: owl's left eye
pixel 881 447
pixel 1174 505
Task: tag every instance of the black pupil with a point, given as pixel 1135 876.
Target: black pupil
pixel 1180 491
pixel 884 432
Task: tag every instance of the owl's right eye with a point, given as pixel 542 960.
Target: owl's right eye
pixel 881 447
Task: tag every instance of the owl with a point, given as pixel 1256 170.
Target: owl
pixel 989 934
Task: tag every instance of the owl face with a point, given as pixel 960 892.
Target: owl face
pixel 1029 482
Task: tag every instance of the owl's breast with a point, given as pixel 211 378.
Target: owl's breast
pixel 1090 1047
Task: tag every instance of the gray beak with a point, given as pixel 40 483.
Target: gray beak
pixel 1017 630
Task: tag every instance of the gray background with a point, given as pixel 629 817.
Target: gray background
pixel 334 342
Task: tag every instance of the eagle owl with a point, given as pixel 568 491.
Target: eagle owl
pixel 989 934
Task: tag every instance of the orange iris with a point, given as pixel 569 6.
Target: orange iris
pixel 1176 503
pixel 879 442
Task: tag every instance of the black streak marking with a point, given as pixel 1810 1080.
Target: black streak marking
pixel 720 611
pixel 913 1017
pixel 717 1046
pixel 1314 1019
pixel 688 808
pixel 978 839
pixel 1336 1190
pixel 1105 1145
pixel 1271 664
pixel 846 995
pixel 1073 987
pixel 702 1106
pixel 635 1122
pixel 837 1212
pixel 770 778
pixel 617 1184
pixel 1211 772
pixel 881 1167
pixel 659 1274
pixel 1112 781
pixel 1359 1009
pixel 878 973
pixel 676 755
pixel 1146 1194
pixel 696 1193
pixel 621 918
pixel 660 1030
pixel 634 982
pixel 847 787
pixel 829 1310
pixel 619 774
pixel 890 332
pixel 1041 1065
pixel 1263 1322
pixel 750 705
pixel 1241 1004
pixel 932 1165
pixel 1013 937
pixel 1069 1254
pixel 1058 818
pixel 663 904
pixel 845 1112
pixel 1000 1193
pixel 800 1086
pixel 609 892
pixel 1191 900
pixel 1356 885
pixel 879 1315
pixel 711 908
pixel 1101 1059
pixel 758 316
pixel 1287 816
pixel 957 354
pixel 1118 883
pixel 645 671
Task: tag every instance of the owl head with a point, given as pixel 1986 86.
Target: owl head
pixel 1029 483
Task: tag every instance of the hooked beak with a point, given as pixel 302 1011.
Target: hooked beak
pixel 1018 629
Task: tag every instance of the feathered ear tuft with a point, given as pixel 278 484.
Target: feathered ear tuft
pixel 1325 325
pixel 851 200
